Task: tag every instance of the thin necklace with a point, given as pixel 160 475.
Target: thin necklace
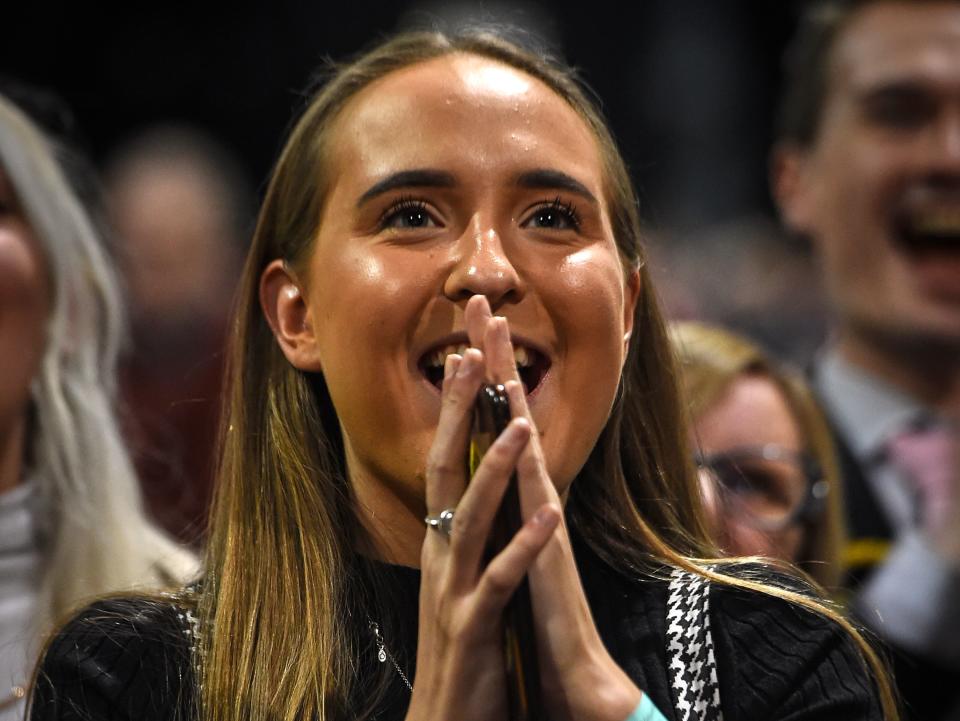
pixel 383 655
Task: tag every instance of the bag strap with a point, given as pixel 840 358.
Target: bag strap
pixel 692 665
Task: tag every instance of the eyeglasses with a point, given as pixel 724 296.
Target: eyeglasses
pixel 767 487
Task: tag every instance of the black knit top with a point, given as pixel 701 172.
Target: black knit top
pixel 131 658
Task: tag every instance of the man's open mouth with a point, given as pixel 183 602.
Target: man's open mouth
pixel 927 233
pixel 532 365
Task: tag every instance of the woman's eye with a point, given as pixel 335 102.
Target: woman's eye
pixel 407 214
pixel 556 216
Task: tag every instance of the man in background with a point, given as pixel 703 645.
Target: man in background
pixel 867 166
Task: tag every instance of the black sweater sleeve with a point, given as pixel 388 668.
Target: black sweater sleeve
pixel 783 662
pixel 117 660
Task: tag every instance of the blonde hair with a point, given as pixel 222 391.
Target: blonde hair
pixel 278 609
pixel 96 536
pixel 711 359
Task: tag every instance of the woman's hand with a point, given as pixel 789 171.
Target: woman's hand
pixel 580 680
pixel 460 672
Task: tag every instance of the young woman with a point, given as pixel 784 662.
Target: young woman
pixel 71 524
pixel 767 462
pixel 450 210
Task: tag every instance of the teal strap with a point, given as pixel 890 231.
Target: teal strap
pixel 646 711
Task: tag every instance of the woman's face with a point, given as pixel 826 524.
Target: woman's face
pixel 24 306
pixel 752 414
pixel 454 177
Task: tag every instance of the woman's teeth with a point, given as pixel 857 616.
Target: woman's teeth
pixel 438 358
pixel 521 356
pixel 532 365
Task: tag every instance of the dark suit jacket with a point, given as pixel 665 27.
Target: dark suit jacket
pixel 930 692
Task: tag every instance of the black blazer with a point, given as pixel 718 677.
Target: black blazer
pixel 929 691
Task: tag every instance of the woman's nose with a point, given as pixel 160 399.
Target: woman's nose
pixel 482 267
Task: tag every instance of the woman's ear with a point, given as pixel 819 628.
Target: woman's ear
pixel 289 316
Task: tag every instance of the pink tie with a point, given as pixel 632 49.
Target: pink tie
pixel 928 458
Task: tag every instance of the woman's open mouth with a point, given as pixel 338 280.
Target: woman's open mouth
pixel 532 365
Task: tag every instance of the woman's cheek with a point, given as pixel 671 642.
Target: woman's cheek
pixel 592 279
pixel 789 543
pixel 595 266
pixel 24 308
pixel 362 300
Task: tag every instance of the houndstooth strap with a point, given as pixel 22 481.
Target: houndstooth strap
pixel 692 664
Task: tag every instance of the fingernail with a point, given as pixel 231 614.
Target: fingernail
pixel 518 429
pixel 468 363
pixel 518 400
pixel 450 365
pixel 545 515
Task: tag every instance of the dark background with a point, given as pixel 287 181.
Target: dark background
pixel 688 85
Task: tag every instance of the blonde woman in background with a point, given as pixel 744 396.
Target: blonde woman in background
pixel 768 470
pixel 71 523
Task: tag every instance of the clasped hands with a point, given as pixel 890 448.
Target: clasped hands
pixel 460 673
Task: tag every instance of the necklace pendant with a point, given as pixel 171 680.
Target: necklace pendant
pixel 381 648
pixel 382 655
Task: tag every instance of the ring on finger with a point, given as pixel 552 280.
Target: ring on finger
pixel 442 521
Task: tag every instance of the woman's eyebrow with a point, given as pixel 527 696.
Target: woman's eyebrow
pixel 419 178
pixel 546 179
pixel 540 178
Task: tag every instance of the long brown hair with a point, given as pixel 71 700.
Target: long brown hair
pixel 279 604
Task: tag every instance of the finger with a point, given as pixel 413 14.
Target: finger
pixel 475 316
pixel 520 409
pixel 505 572
pixel 450 366
pixel 518 400
pixel 498 352
pixel 536 486
pixel 446 466
pixel 480 502
pixel 554 580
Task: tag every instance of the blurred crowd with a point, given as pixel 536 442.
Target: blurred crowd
pixel 819 351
